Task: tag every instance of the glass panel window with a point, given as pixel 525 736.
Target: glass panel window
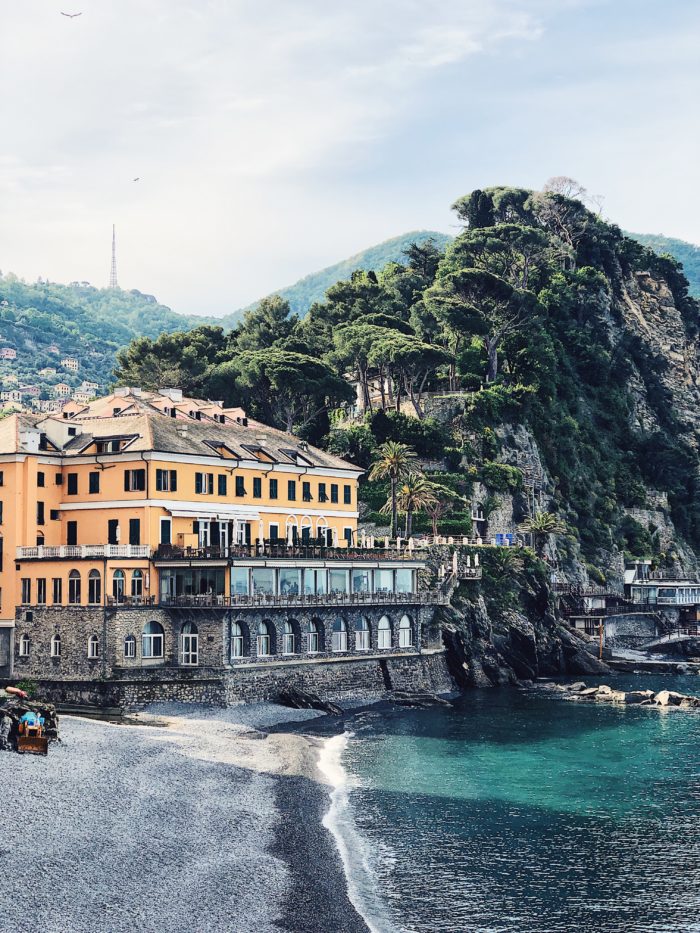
pixel 129 647
pixel 257 487
pixel 289 640
pixel 338 581
pixel 263 640
pixel 41 591
pixel 289 582
pixel 314 582
pixel 384 633
pixel 362 636
pixel 314 637
pixel 405 632
pixel 236 640
pixel 189 645
pixel 340 635
pixel 239 581
pixel 263 580
pixel 384 581
pixel 361 580
pixel 404 580
pixel 273 489
pixel 152 640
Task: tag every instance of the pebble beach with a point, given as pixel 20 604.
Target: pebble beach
pixel 179 821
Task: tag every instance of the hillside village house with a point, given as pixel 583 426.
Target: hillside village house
pixel 149 532
pixel 70 362
pixel 7 353
pixel 62 390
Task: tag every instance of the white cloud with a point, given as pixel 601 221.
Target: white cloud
pixel 271 136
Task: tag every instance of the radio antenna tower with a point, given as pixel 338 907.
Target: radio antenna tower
pixel 113 274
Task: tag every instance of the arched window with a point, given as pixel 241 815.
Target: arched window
pixel 405 632
pixel 362 635
pixel 384 633
pixel 24 646
pixel 74 587
pixel 263 640
pixel 236 640
pixel 152 641
pixel 305 529
pixel 56 646
pixel 94 588
pixel 340 635
pixel 314 637
pixel 189 644
pixel 118 581
pixel 129 647
pixel 137 584
pixel 93 646
pixel 289 640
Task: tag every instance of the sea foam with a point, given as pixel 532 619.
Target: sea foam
pixel 355 851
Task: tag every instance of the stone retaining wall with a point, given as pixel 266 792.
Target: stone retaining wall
pixel 335 679
pixel 630 631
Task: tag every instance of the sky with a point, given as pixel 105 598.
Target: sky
pixel 272 138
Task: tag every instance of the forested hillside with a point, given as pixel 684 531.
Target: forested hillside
pixel 688 254
pixel 541 356
pixel 80 321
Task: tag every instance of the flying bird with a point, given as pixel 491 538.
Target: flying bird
pixel 71 15
pixel 137 179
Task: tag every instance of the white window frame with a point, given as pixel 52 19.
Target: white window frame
pixel 404 631
pixel 288 639
pixel 93 647
pixel 314 637
pixel 56 645
pixel 263 642
pixel 237 645
pixel 362 637
pixel 129 646
pixel 149 641
pixel 189 648
pixel 383 632
pixel 340 638
pixel 24 644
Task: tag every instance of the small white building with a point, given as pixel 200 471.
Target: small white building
pixel 70 362
pixel 7 353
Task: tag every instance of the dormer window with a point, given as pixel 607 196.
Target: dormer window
pixel 72 432
pixel 259 453
pixel 116 411
pixel 295 457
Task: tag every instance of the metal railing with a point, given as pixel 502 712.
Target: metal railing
pixel 425 597
pixel 282 550
pixel 83 551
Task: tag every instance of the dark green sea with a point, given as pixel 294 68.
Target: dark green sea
pixel 517 811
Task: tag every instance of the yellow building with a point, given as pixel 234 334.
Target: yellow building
pixel 95 504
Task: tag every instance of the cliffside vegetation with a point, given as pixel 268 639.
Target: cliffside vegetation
pixel 538 316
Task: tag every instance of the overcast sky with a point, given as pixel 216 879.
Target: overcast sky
pixel 274 137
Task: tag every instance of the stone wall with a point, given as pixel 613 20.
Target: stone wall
pixel 115 679
pixel 336 679
pixel 631 630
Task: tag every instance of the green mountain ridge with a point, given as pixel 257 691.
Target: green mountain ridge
pixel 94 324
pixel 312 288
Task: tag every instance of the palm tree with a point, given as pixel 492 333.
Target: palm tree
pixel 540 526
pixel 395 462
pixel 416 494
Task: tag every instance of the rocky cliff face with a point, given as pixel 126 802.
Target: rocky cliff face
pixel 493 645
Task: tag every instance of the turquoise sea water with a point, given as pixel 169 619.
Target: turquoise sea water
pixel 519 812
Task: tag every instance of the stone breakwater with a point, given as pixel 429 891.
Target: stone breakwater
pixel 605 694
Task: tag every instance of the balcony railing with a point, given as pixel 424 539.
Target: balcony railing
pixel 425 597
pixel 276 550
pixel 83 551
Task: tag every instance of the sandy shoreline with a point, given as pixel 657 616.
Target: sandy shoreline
pixel 206 823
